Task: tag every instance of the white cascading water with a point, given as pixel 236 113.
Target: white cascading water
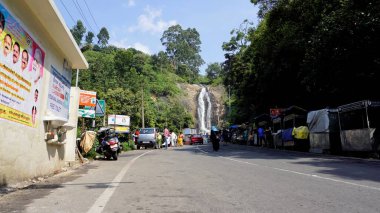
pixel 204 111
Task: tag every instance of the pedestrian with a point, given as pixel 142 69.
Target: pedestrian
pixel 167 136
pixel 159 140
pixel 215 138
pixel 180 139
pixel 137 135
pixel 250 138
pixel 261 134
pixel 173 138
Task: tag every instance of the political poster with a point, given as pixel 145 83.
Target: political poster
pixel 21 71
pixel 59 94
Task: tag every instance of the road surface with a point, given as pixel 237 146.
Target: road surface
pixel 196 179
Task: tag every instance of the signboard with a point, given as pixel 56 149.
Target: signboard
pixel 86 113
pixel 122 120
pixel 87 98
pixel 122 129
pixel 274 112
pixel 21 72
pixel 100 108
pixel 59 94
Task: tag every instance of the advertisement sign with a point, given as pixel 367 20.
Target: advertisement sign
pixel 21 72
pixel 122 120
pixel 87 98
pixel 86 113
pixel 122 129
pixel 274 112
pixel 59 94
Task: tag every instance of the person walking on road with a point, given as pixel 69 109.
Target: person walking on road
pixel 215 138
pixel 180 139
pixel 173 138
pixel 167 136
pixel 159 140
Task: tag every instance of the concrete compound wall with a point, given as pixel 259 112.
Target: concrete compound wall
pixel 24 152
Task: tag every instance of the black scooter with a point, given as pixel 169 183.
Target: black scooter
pixel 109 143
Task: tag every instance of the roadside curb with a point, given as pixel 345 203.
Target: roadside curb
pixel 66 170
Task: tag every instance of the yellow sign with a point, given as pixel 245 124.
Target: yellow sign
pixel 16 116
pixel 122 129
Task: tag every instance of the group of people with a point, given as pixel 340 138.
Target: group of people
pixel 169 138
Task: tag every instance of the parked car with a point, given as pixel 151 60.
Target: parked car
pixel 147 138
pixel 194 139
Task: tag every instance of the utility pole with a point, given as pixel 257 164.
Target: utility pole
pixel 229 100
pixel 76 80
pixel 142 106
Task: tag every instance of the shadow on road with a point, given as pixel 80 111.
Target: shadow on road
pixel 343 167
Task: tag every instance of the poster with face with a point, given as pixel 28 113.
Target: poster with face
pixel 21 72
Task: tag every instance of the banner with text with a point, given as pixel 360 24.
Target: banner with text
pixel 122 120
pixel 87 98
pixel 59 94
pixel 21 72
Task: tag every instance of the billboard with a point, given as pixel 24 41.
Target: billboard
pixel 86 113
pixel 21 71
pixel 122 120
pixel 87 98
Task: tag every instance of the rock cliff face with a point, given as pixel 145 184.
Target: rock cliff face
pixel 190 101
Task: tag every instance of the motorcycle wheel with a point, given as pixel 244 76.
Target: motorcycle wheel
pixel 114 156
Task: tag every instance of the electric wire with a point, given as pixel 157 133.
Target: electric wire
pixel 88 8
pixel 67 11
pixel 76 4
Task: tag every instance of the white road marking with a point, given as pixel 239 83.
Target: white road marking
pixel 102 201
pixel 298 173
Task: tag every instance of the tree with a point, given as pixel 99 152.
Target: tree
pixel 183 48
pixel 103 37
pixel 89 37
pixel 213 71
pixel 78 31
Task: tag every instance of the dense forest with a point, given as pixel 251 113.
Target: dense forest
pixel 132 82
pixel 312 53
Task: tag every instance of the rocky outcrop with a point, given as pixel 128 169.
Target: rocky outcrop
pixel 190 101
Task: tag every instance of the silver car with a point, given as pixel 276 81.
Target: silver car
pixel 147 138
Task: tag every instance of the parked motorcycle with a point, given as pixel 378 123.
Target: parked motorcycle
pixel 109 143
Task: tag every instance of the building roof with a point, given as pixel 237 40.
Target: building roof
pixel 51 19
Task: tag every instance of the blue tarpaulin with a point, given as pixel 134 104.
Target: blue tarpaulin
pixel 287 134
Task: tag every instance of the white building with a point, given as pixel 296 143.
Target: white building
pixel 38 107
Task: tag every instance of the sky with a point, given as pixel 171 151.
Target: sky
pixel 141 23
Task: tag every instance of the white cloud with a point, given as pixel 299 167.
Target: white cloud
pixel 123 43
pixel 141 47
pixel 130 3
pixel 151 22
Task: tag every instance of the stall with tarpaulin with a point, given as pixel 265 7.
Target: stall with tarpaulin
pixel 324 131
pixel 264 121
pixel 295 129
pixel 359 124
pixel 277 131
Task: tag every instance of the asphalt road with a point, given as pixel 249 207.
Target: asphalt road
pixel 196 179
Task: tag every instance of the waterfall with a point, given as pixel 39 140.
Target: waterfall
pixel 204 111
